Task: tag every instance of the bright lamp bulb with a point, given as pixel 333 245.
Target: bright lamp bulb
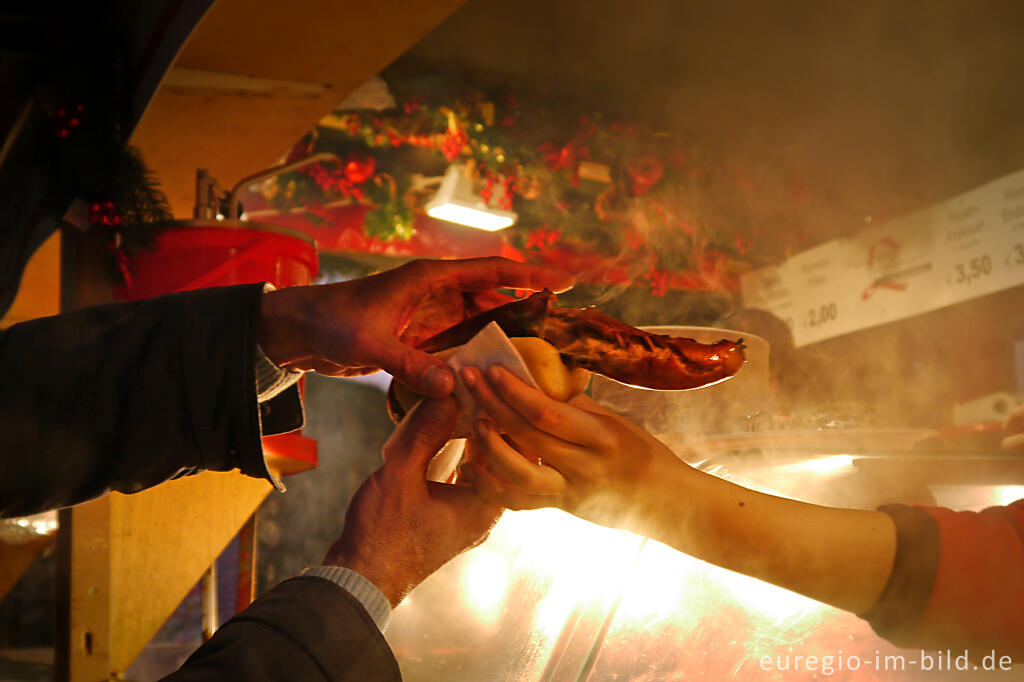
pixel 456 202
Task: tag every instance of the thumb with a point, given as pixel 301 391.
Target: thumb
pixel 420 371
pixel 427 427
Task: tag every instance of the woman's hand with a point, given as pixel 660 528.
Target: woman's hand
pixel 363 325
pixel 534 451
pixel 600 467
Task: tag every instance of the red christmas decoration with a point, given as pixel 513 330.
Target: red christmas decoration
pixel 542 238
pixel 67 120
pixel 646 171
pixel 124 263
pixel 360 168
pixel 104 213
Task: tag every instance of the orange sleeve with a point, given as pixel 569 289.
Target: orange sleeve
pixel 957 581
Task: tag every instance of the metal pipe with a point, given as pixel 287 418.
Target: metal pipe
pixel 271 172
pixel 208 590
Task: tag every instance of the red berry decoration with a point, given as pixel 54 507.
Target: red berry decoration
pixel 645 171
pixel 359 169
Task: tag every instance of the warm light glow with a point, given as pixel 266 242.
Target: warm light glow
pixel 485 579
pixel 821 465
pixel 457 201
pixel 660 585
pixel 774 603
pixel 1008 494
pixel 583 564
pixel 472 217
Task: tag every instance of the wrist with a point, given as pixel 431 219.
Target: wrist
pixel 282 329
pixel 385 575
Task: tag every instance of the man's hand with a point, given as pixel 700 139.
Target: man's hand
pixel 399 527
pixel 357 327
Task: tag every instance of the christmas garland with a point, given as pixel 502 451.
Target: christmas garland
pixel 80 88
pixel 579 182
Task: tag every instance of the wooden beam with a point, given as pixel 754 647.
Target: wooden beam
pixel 15 560
pixel 135 557
pixel 322 49
pixel 39 292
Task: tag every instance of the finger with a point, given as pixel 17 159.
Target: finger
pixel 496 491
pixel 530 439
pixel 497 456
pixel 585 402
pixel 482 301
pixel 427 427
pixel 562 420
pixel 480 274
pixel 420 371
pixel 465 501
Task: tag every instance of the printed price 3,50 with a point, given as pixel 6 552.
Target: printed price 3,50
pixel 970 271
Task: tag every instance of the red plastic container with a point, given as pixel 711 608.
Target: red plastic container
pixel 206 253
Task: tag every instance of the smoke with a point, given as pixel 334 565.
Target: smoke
pixel 805 121
pixel 860 108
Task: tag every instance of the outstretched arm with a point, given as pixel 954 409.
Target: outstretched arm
pixel 599 466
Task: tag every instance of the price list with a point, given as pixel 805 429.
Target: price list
pixel 968 246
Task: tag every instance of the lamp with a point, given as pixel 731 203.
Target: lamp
pixel 456 202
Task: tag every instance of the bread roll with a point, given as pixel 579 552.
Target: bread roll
pixel 541 359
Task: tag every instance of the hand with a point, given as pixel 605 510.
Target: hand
pixel 357 327
pixel 594 463
pixel 1014 428
pixel 602 468
pixel 399 527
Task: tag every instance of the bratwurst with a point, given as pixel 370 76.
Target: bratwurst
pixel 594 341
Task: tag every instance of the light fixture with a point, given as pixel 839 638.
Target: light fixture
pixel 457 202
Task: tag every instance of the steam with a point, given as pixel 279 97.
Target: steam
pixel 803 122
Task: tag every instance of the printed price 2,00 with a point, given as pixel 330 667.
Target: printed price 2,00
pixel 827 312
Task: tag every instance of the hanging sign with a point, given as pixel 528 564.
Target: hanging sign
pixel 963 248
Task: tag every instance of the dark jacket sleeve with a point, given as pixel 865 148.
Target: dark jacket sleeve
pixel 124 396
pixel 306 629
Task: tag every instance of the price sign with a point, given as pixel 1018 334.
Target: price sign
pixel 969 246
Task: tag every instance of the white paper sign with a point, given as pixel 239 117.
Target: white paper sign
pixel 963 248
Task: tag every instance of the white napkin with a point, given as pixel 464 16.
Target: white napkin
pixel 489 347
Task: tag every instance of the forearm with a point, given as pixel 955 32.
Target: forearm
pixel 126 395
pixel 841 557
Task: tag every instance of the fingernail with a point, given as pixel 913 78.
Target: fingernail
pixel 481 428
pixel 470 376
pixel 493 373
pixel 438 381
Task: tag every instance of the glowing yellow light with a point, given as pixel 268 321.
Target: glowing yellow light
pixel 582 564
pixel 553 611
pixel 466 215
pixel 457 202
pixel 660 585
pixel 485 579
pixel 1007 494
pixel 821 465
pixel 774 603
